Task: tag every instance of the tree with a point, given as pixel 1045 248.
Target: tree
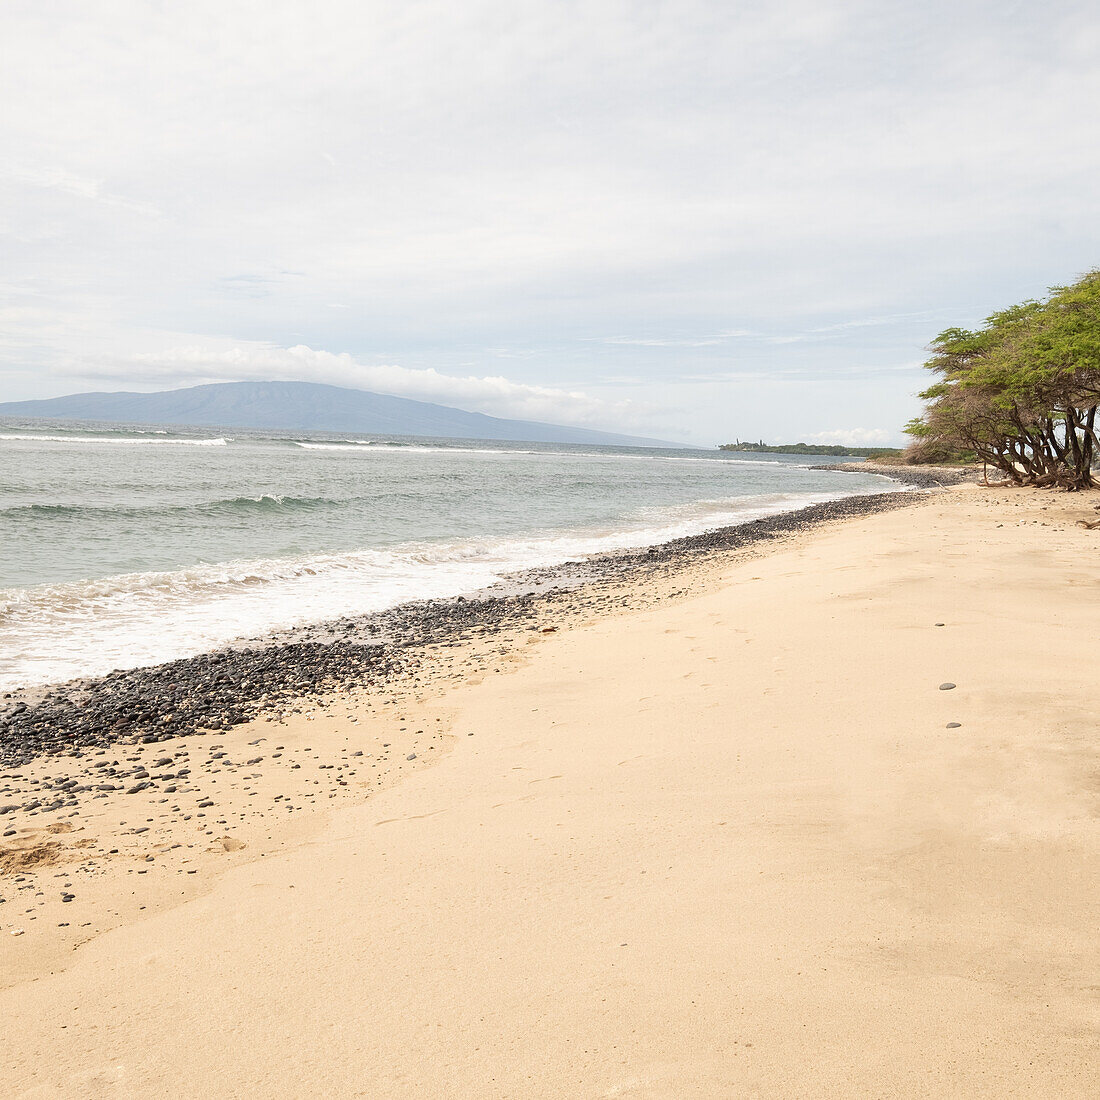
pixel 1021 393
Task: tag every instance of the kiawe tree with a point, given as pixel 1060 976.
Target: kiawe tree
pixel 1021 393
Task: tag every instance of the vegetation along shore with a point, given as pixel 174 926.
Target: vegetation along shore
pixel 1021 392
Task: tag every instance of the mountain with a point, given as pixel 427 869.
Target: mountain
pixel 306 406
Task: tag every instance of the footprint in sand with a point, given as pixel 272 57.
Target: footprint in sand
pixel 409 817
pixel 511 801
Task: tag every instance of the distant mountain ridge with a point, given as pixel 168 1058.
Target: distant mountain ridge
pixel 310 406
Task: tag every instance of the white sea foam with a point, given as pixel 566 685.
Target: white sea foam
pixel 364 446
pixel 35 437
pixel 55 632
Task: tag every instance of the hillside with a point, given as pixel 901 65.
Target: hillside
pixel 307 406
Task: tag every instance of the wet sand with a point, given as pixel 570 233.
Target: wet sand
pixel 720 832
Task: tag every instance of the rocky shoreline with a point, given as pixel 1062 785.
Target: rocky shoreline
pixel 920 477
pixel 212 692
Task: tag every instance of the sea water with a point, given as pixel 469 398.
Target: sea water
pixel 122 547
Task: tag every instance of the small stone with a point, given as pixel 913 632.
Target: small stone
pixel 946 687
pixel 411 756
pixel 954 725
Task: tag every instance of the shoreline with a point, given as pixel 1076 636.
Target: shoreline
pixel 920 477
pixel 691 819
pixel 226 687
pixel 215 565
pixel 176 806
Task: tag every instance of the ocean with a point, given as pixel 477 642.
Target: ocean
pixel 122 547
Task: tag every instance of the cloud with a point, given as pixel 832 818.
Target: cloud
pixel 752 196
pixel 855 437
pixel 641 342
pixel 874 322
pixel 67 183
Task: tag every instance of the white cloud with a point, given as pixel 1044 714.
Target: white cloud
pixel 875 322
pixel 855 437
pixel 56 179
pixel 642 342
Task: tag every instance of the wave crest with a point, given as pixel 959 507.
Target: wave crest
pixel 265 502
pixel 144 440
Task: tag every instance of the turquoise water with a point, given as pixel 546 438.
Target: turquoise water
pixel 122 547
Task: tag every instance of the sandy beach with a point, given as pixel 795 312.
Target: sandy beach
pixel 724 832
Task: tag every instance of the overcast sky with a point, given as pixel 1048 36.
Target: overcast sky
pixel 695 220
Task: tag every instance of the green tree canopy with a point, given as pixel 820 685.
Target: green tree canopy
pixel 1021 392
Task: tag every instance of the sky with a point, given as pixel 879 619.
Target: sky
pixel 693 220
